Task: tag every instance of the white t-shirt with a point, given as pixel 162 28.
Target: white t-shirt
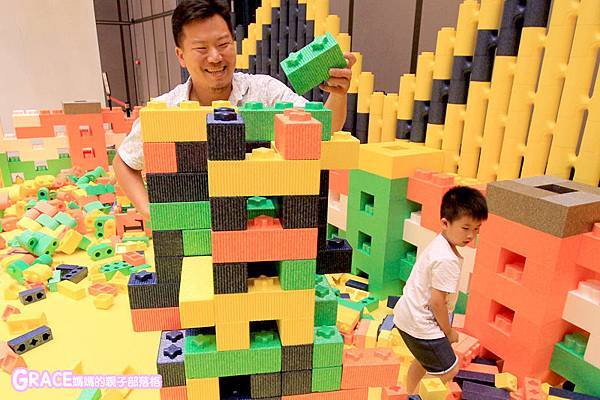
pixel 245 87
pixel 437 267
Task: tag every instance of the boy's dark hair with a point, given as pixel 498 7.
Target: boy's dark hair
pixel 190 10
pixel 463 200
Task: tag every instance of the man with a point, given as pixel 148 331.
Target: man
pixel 205 45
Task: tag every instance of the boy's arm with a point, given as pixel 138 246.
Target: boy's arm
pixel 439 308
pixel 133 185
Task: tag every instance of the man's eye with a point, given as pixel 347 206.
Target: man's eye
pixel 224 45
pixel 200 48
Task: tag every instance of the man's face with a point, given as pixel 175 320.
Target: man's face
pixel 208 52
pixel 461 231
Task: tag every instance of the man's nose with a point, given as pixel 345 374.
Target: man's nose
pixel 213 55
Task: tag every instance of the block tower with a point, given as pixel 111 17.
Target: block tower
pixel 377 207
pixel 247 321
pixel 528 259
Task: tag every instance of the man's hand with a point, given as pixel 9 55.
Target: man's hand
pixel 339 81
pixel 453 336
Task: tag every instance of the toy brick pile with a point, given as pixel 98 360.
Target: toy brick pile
pixel 52 216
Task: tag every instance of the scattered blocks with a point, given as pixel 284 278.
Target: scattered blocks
pixel 30 340
pixel 32 295
pixel 433 389
pixel 104 301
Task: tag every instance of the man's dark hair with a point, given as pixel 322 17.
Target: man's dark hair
pixel 464 201
pixel 190 10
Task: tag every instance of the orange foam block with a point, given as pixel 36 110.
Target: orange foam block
pixel 264 240
pixel 394 393
pixel 8 311
pixel 483 368
pixel 87 141
pixel 9 223
pixel 353 394
pixel 131 221
pixel 455 391
pixel 2 243
pixel 375 367
pixel 339 181
pixel 589 250
pixel 134 258
pixel 102 288
pixel 160 157
pixel 297 135
pixel 361 332
pixel 9 360
pixel 173 393
pixel 155 319
pixel 466 349
pixel 119 121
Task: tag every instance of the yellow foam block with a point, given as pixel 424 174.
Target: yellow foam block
pixel 11 292
pixel 234 336
pixel 25 322
pixel 347 318
pixel 121 248
pixel 5 262
pixel 384 339
pixel 371 336
pixel 293 332
pixel 186 123
pixel 90 218
pixel 103 301
pixel 69 242
pixel 70 289
pixel 38 273
pixel 341 152
pixel 203 388
pixel 97 277
pixel 263 171
pixel 196 294
pixel 433 389
pixel 398 159
pixel 265 300
pixel 120 281
pixel 507 381
pixel 28 224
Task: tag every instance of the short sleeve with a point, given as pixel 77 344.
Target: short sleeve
pixel 131 149
pixel 445 275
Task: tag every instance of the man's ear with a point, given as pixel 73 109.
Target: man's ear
pixel 179 54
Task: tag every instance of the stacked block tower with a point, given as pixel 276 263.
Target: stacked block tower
pixel 534 280
pixel 81 134
pixel 235 290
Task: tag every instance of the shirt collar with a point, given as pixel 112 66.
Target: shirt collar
pixel 239 90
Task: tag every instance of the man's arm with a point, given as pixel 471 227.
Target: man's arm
pixel 133 185
pixel 439 308
pixel 337 86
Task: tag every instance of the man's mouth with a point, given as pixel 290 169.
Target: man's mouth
pixel 216 72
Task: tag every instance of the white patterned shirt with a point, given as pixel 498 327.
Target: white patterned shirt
pixel 246 87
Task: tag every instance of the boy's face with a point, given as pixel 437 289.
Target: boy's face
pixel 208 51
pixel 461 231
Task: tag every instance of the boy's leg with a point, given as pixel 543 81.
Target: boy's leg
pixel 415 373
pixel 448 376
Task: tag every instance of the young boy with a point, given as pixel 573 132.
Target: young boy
pixel 422 313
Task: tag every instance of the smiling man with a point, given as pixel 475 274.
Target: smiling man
pixel 205 45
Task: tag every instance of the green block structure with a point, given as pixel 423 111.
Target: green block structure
pixel 310 66
pixel 258 205
pixel 567 361
pixel 326 304
pixel 196 242
pixel 180 215
pixel 461 303
pixel 326 379
pixel 259 120
pixel 328 347
pixel 321 114
pixel 203 361
pixel 297 274
pixel 377 208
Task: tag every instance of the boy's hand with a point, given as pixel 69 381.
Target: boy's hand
pixel 339 81
pixel 453 336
